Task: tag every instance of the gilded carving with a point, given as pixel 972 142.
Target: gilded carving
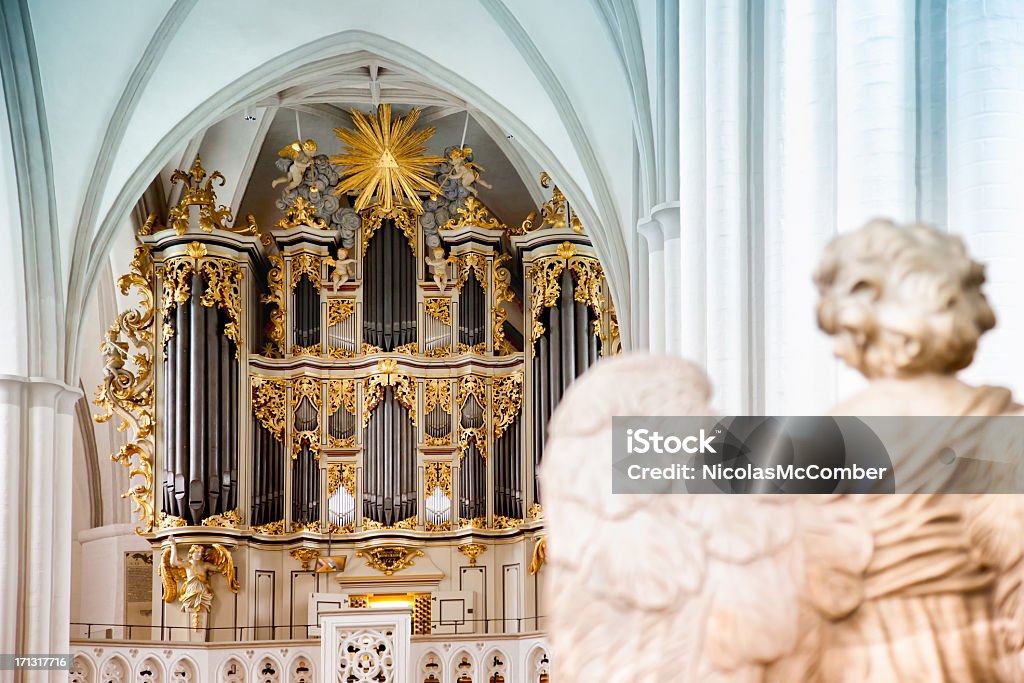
pixel 307 266
pixel 339 310
pixel 390 558
pixel 306 389
pixel 190 580
pixel 472 551
pixel 271 528
pixel 473 212
pixel 545 289
pixel 301 213
pixel 503 522
pixel 232 519
pixel 201 194
pixel 472 435
pixel 479 349
pixel 471 385
pixel 540 551
pixel 506 400
pixel 439 308
pixel 305 556
pixel 268 404
pixel 589 281
pixel 440 352
pixel 224 290
pixel 437 392
pixel 130 394
pixel 443 440
pixel 403 216
pixel 409 349
pixel 275 298
pixel 438 475
pixel 555 213
pixel 385 160
pixel 388 376
pixel 176 288
pixel 170 521
pixel 313 350
pixel 341 392
pixel 502 294
pixel 471 261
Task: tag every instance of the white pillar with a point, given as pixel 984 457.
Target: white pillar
pixel 36 426
pixel 876 129
pixel 799 200
pixel 693 193
pixel 986 167
pixel 667 217
pixel 875 95
pixel 651 232
pixel 727 216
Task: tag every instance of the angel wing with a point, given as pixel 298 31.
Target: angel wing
pixel 292 150
pixel 171 574
pixel 677 584
pixel 995 525
pixel 220 558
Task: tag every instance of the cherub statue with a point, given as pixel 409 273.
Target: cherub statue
pixel 344 268
pixel 301 155
pixel 114 354
pixel 464 171
pixel 195 593
pixel 438 264
pixel 817 589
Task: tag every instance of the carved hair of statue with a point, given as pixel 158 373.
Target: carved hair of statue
pixel 902 300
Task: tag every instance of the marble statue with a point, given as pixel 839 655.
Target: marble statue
pixel 195 592
pixel 817 589
pixel 344 268
pixel 301 154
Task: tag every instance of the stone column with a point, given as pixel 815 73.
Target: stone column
pixel 986 167
pixel 650 229
pixel 36 427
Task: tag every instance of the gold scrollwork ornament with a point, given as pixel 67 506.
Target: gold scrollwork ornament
pixel 128 393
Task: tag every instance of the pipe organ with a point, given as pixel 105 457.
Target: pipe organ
pixel 362 377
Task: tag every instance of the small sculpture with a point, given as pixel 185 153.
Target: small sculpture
pixel 344 268
pixel 196 592
pixel 438 264
pixel 820 589
pixel 464 171
pixel 301 155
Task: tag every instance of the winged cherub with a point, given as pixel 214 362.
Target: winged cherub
pixel 924 586
pixel 196 592
pixel 301 155
pixel 465 171
pixel 344 268
pixel 438 264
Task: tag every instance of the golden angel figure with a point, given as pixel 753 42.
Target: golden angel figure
pixel 193 574
pixel 301 154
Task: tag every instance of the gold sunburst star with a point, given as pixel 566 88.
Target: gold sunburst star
pixel 385 159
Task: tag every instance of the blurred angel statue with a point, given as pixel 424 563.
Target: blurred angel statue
pixel 818 589
pixel 301 154
pixel 193 574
